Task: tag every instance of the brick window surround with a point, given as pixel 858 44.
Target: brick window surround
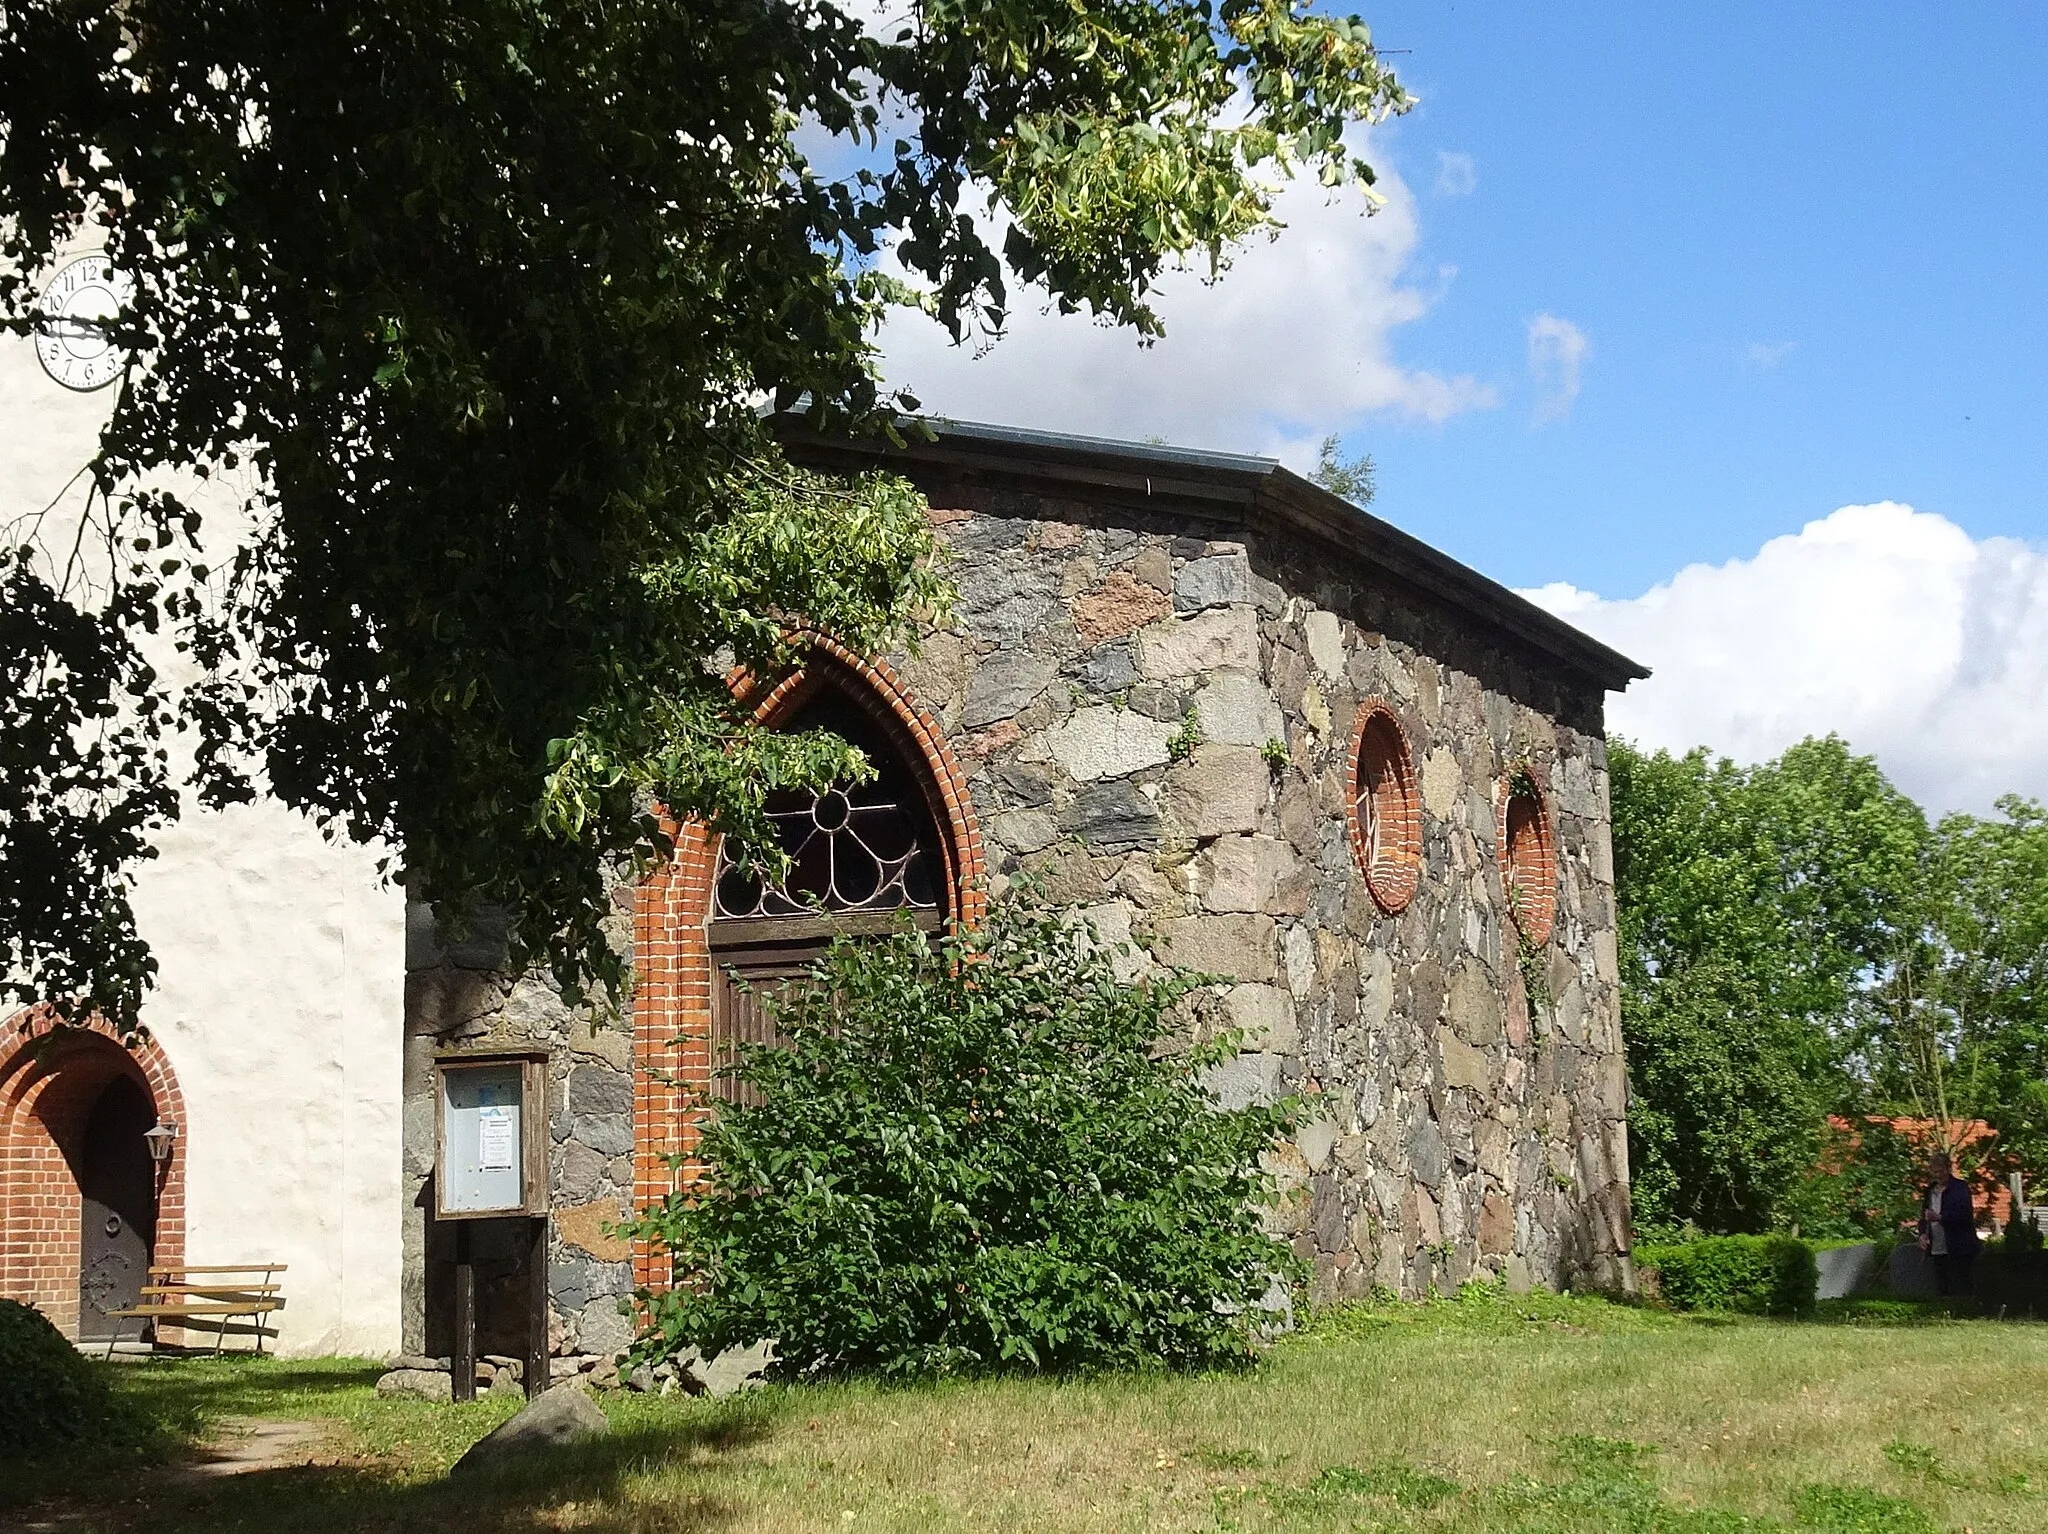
pixel 672 909
pixel 51 1074
pixel 1383 807
pixel 1528 855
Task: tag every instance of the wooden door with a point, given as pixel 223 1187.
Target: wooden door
pixel 751 960
pixel 117 1206
pixel 748 976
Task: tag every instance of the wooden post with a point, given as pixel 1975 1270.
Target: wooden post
pixel 462 1363
pixel 537 1366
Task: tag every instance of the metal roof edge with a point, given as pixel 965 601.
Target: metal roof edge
pixel 1307 505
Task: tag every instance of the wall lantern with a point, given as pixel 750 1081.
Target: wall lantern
pixel 159 1141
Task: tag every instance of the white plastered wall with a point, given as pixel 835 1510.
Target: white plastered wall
pixel 279 1003
pixel 279 998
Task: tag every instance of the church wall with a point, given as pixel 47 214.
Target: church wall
pixel 277 1005
pixel 1461 1134
pixel 459 997
pixel 278 1002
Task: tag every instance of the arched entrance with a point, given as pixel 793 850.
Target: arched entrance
pixel 116 1205
pixel 84 1210
pixel 904 846
pixel 864 856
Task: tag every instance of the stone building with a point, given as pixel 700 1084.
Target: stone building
pixel 1255 729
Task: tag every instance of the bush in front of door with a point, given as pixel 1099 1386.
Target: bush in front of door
pixel 52 1398
pixel 973 1155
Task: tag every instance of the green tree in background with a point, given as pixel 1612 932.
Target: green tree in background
pixel 1355 479
pixel 1956 1027
pixel 1995 875
pixel 1755 904
pixel 474 305
pixel 1797 943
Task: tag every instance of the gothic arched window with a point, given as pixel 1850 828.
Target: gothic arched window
pixel 863 856
pixel 856 847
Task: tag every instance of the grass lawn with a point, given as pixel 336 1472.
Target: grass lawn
pixel 1537 1414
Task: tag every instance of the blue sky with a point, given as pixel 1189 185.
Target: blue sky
pixel 1807 246
pixel 1721 330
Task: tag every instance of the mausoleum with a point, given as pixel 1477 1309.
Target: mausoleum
pixel 1252 728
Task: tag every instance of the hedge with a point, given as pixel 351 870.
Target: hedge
pixel 51 1396
pixel 1753 1275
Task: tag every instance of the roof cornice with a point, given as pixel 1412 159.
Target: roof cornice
pixel 1235 490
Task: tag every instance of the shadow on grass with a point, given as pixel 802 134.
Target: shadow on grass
pixel 208 1386
pixel 1882 1310
pixel 527 1492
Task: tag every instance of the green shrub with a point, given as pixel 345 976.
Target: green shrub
pixel 51 1396
pixel 1754 1275
pixel 2021 1236
pixel 974 1155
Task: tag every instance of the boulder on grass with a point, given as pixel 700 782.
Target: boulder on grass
pixel 559 1416
pixel 426 1384
pixel 734 1370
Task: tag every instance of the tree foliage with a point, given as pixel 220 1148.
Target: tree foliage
pixel 1352 478
pixel 1755 903
pixel 1957 1026
pixel 974 1155
pixel 474 304
pixel 1800 946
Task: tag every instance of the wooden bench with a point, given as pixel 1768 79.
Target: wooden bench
pixel 209 1295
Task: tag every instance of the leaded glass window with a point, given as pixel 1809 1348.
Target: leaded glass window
pixel 856 847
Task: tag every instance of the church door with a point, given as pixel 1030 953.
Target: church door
pixel 117 1206
pixel 865 857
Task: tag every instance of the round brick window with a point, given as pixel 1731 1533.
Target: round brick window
pixel 1528 857
pixel 1386 820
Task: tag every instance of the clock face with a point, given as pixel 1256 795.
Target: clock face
pixel 72 335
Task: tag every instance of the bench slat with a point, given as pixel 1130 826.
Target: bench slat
pixel 233 1267
pixel 145 1312
pixel 224 1291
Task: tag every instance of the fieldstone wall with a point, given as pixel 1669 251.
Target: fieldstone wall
pixel 459 996
pixel 1159 724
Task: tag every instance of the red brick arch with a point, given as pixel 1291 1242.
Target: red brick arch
pixel 51 1072
pixel 1526 846
pixel 1393 868
pixel 672 953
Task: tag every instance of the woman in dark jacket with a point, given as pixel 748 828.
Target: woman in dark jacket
pixel 1948 1226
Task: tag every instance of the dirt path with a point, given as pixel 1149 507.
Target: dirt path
pixel 247 1444
pixel 239 1446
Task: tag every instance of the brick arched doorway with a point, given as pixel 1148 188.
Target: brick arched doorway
pixel 83 1208
pixel 697 918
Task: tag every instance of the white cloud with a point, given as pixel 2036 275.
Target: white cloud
pixel 1557 351
pixel 1456 174
pixel 1893 628
pixel 1296 340
pixel 1762 356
